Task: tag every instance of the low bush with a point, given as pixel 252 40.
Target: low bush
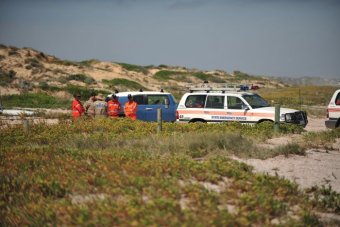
pixel 207 77
pixel 81 77
pixel 135 68
pixel 325 198
pixel 13 53
pixel 7 77
pixel 32 100
pixel 85 93
pixel 65 62
pixel 33 63
pixel 124 84
pixel 43 85
pixel 238 76
pixel 88 63
pixel 165 75
pixel 324 139
pixel 291 148
pixel 120 173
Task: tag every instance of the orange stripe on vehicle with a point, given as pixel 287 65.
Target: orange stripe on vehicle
pixel 333 109
pixel 226 113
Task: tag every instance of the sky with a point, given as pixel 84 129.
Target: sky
pixel 286 38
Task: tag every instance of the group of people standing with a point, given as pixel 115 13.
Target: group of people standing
pixel 97 107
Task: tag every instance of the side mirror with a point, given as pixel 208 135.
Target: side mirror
pixel 166 102
pixel 245 107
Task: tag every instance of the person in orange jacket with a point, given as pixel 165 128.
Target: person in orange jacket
pixel 130 108
pixel 77 107
pixel 113 107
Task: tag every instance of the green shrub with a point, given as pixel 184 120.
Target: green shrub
pixel 7 77
pixel 120 172
pixel 126 84
pixel 34 63
pixel 81 77
pixel 324 197
pixel 135 68
pixel 43 85
pixel 165 75
pixel 39 100
pixel 238 75
pixel 291 148
pixel 85 93
pixel 13 53
pixel 324 139
pixel 62 79
pixel 210 78
pixel 88 63
pixel 65 62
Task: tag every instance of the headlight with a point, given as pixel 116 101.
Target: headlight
pixel 288 117
pixel 282 117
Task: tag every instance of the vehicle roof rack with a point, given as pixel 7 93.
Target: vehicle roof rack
pixel 215 88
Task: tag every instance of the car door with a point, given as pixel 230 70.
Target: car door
pixel 237 110
pixel 155 101
pixel 141 107
pixel 214 108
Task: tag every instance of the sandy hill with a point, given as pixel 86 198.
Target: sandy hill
pixel 32 70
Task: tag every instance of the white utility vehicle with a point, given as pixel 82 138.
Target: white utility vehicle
pixel 212 104
pixel 333 111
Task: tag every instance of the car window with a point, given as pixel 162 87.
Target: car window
pixel 215 102
pixel 195 101
pixel 139 99
pixel 255 101
pixel 234 103
pixel 157 99
pixel 337 100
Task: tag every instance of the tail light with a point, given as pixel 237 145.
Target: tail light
pixel 327 114
pixel 177 115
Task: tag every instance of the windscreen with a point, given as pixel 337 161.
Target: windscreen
pixel 255 101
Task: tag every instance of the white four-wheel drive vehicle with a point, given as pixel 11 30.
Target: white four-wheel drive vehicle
pixel 220 105
pixel 333 111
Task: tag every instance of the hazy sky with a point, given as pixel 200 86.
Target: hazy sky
pixel 263 37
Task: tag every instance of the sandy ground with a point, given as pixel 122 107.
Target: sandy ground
pixel 318 167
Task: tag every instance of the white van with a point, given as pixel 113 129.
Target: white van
pixel 220 105
pixel 333 111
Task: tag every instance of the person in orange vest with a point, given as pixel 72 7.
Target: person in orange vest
pixel 77 107
pixel 130 108
pixel 113 107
